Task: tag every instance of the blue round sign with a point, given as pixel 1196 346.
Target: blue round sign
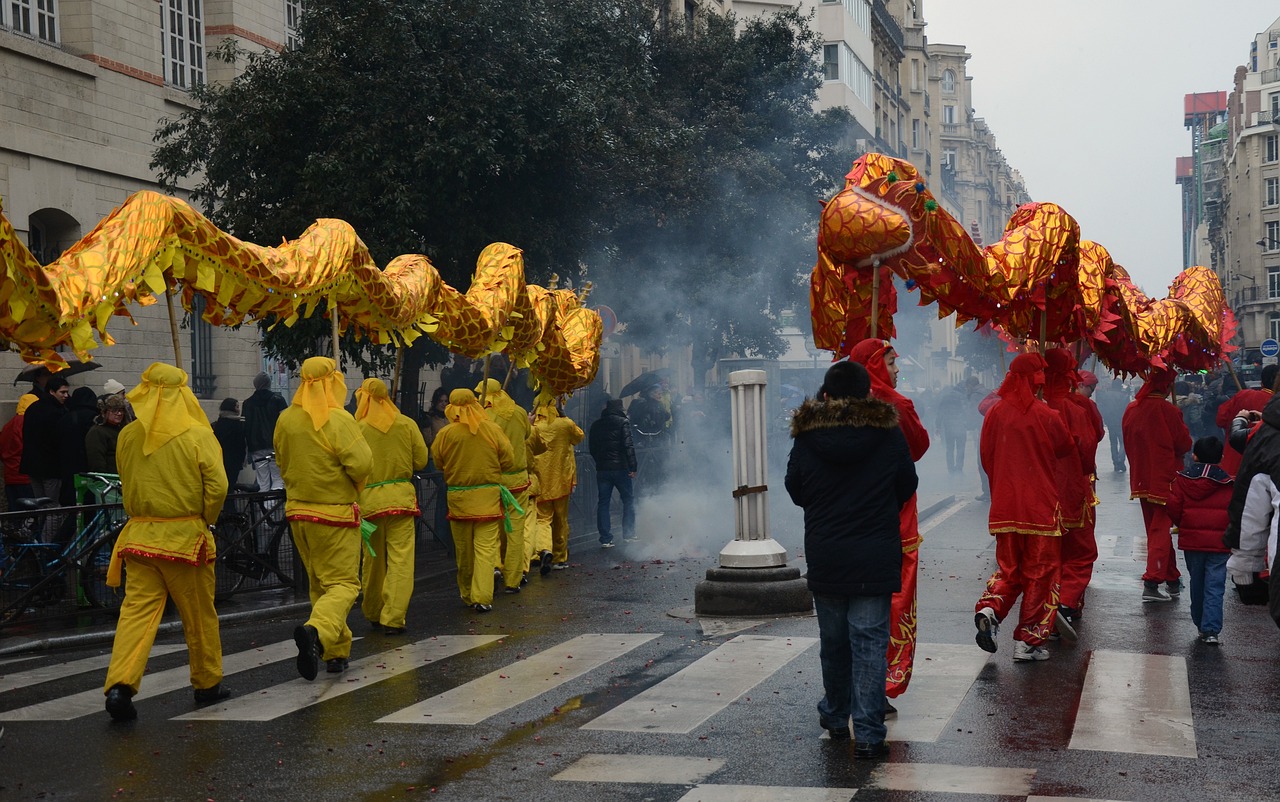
pixel 1269 347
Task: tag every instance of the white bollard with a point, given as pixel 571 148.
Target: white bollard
pixel 752 547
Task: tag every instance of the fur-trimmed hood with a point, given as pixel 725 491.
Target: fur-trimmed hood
pixel 814 414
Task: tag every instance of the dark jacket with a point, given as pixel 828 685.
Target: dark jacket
pixel 610 442
pixel 851 471
pixel 230 431
pixel 100 447
pixel 40 438
pixel 1261 455
pixel 1198 507
pixel 260 412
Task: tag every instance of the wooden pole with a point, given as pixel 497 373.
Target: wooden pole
pixel 1232 370
pixel 333 319
pixel 511 369
pixel 875 299
pixel 484 383
pixel 173 328
pixel 395 377
pixel 1044 330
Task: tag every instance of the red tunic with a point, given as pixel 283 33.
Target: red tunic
pixel 1155 438
pixel 1099 432
pixel 1072 477
pixel 1251 398
pixel 1019 452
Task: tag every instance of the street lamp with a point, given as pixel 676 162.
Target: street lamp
pixel 1266 242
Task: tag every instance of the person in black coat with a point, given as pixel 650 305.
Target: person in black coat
pixel 260 412
pixel 40 439
pixel 609 441
pixel 229 428
pixel 851 472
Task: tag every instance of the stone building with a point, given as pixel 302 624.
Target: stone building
pixel 87 83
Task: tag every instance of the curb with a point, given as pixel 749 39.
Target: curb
pixel 936 507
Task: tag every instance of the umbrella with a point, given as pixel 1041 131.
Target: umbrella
pixel 32 372
pixel 643 382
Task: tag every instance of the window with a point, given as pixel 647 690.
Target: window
pixel 948 115
pixel 1273 235
pixel 915 74
pixel 949 81
pixel 831 62
pixel 38 18
pixel 860 10
pixel 1273 191
pixel 1273 148
pixel 183 37
pixel 292 16
pixel 915 134
pixel 1273 283
pixel 949 158
pixel 1274 322
pixel 839 63
pixel 1275 104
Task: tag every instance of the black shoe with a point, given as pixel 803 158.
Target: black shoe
pixel 889 710
pixel 838 733
pixel 546 563
pixel 535 561
pixel 482 608
pixel 375 627
pixel 308 642
pixel 511 591
pixel 870 751
pixel 524 580
pixel 207 696
pixel 336 666
pixel 1173 587
pixel 393 630
pixel 120 703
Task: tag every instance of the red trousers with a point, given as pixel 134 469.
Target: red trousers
pixel 1162 564
pixel 1027 566
pixel 902 610
pixel 1079 553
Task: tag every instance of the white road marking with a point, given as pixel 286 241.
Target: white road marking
pixel 699 691
pixel 652 769
pixel 936 520
pixel 942 779
pixel 35 676
pixel 518 682
pixel 1136 703
pixel 280 700
pixel 940 679
pixel 766 793
pixel 91 701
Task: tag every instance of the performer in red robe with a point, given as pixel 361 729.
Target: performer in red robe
pixel 1022 440
pixel 1250 398
pixel 1155 439
pixel 1075 473
pixel 879 358
pixel 1071 597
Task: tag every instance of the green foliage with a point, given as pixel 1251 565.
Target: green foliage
pixel 678 167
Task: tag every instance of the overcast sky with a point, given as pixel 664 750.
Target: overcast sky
pixel 1085 100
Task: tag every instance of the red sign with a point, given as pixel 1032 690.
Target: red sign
pixel 609 318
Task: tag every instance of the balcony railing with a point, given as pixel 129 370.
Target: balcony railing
pixel 890 25
pixel 1270 76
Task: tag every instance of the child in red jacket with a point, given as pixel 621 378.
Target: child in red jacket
pixel 1198 507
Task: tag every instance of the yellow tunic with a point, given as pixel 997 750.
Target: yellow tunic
pixel 515 425
pixel 473 469
pixel 323 469
pixel 172 496
pixel 397 453
pixel 556 468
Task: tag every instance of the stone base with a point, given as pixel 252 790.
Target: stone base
pixel 752 592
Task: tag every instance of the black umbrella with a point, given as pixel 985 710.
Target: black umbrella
pixel 32 372
pixel 643 382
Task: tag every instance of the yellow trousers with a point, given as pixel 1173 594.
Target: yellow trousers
pixel 331 555
pixel 387 578
pixel 514 560
pixel 150 583
pixel 475 544
pixel 553 528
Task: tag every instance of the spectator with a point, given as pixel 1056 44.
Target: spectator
pixel 73 428
pixel 16 483
pixel 1248 399
pixel 954 419
pixel 100 442
pixel 40 439
pixel 1198 505
pixel 648 414
pixel 260 413
pixel 851 471
pixel 609 442
pixel 230 428
pixel 1112 402
pixel 435 418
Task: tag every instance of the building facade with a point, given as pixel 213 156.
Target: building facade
pixel 87 84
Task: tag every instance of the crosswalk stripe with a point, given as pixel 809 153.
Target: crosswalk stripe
pixel 935 521
pixel 700 690
pixel 766 793
pixel 281 700
pixel 35 676
pixel 940 679
pixel 1136 703
pixel 82 704
pixel 943 779
pixel 519 682
pixel 651 769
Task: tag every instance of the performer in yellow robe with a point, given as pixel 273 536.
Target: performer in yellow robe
pixel 473 454
pixel 513 420
pixel 390 502
pixel 170 466
pixel 324 462
pixel 557 472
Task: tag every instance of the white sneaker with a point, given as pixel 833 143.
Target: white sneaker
pixel 1026 653
pixel 988 627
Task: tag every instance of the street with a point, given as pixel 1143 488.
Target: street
pixel 596 683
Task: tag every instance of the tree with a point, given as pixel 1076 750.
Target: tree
pixel 586 132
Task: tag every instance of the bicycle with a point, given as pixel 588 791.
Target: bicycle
pixel 249 540
pixel 35 571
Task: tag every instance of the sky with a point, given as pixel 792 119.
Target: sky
pixel 1085 100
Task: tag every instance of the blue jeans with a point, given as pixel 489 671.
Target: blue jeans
pixel 606 481
pixel 1208 571
pixel 853 633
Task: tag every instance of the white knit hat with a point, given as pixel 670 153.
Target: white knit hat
pixel 112 387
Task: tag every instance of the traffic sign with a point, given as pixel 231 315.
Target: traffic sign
pixel 1269 347
pixel 610 320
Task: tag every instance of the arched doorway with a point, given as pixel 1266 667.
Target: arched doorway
pixel 50 232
